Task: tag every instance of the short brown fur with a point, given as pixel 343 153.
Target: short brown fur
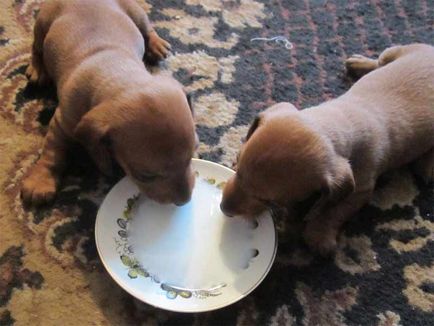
pixel 108 101
pixel 340 147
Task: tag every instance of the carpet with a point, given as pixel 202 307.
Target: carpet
pixel 383 272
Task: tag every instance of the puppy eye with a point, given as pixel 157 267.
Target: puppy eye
pixel 146 177
pixel 269 203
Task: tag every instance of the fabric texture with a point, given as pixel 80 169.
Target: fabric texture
pixel 383 273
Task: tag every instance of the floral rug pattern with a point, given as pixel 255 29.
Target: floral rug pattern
pixel 383 273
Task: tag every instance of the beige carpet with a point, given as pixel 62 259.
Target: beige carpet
pixel 383 274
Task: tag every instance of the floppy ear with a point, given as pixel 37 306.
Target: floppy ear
pixel 253 127
pixel 190 102
pixel 282 107
pixel 342 184
pixel 93 133
pixel 275 109
pixel 336 188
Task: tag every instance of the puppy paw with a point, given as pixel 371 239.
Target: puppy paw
pixel 321 241
pixel 158 48
pixel 359 64
pixel 39 187
pixel 34 76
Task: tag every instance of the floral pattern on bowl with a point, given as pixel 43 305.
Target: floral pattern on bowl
pixel 198 278
pixel 135 269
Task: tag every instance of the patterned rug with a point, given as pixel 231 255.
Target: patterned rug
pixel 383 273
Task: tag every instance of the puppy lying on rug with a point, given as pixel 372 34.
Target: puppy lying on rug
pixel 339 148
pixel 108 101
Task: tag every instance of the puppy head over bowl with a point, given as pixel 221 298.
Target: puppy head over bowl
pixel 283 161
pixel 151 135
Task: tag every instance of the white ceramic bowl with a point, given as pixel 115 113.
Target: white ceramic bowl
pixel 186 259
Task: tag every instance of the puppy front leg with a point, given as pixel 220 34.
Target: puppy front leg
pixel 322 230
pixel 36 72
pixel 41 185
pixel 156 48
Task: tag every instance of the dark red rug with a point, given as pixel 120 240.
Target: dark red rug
pixel 383 273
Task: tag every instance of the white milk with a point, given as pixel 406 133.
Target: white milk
pixel 194 246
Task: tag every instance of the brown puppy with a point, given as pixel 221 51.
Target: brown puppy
pixel 108 101
pixel 339 148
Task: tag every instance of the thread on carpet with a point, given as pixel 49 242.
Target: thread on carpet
pixel 278 39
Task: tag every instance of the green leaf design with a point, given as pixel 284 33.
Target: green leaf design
pixel 126 261
pixel 211 181
pixel 127 214
pixel 185 294
pixel 165 287
pixel 221 185
pixel 133 273
pixel 135 263
pixel 130 202
pixel 140 271
pixel 171 294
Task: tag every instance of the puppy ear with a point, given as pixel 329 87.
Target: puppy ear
pixel 279 108
pixel 337 187
pixel 93 132
pixel 253 127
pixel 189 97
pixel 342 184
pixel 190 102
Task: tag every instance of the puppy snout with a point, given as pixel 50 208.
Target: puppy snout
pixel 183 199
pixel 183 190
pixel 160 200
pixel 229 201
pixel 227 207
pixel 182 202
pixel 225 210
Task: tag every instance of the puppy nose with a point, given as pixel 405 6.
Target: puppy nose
pixel 181 202
pixel 183 189
pixel 225 211
pixel 183 198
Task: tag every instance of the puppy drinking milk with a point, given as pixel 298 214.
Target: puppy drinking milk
pixel 338 149
pixel 108 101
